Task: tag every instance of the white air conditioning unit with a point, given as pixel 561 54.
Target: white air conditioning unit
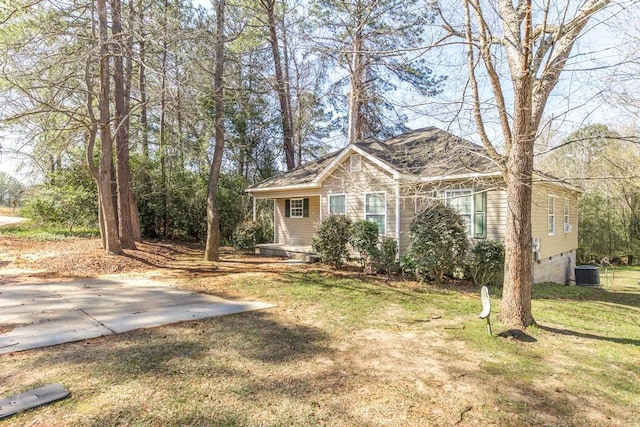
pixel 567 228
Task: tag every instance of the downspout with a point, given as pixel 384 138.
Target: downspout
pixel 398 218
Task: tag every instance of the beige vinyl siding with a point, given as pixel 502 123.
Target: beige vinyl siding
pixel 560 242
pixel 355 185
pixel 296 231
pixel 496 214
pixel 407 214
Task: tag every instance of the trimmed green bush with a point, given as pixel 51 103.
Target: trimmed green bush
pixel 384 255
pixel 247 235
pixel 438 243
pixel 331 239
pixel 364 238
pixel 487 262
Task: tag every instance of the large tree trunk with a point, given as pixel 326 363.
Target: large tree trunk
pixel 516 294
pixel 518 277
pixel 355 120
pixel 282 86
pixel 123 173
pixel 213 216
pixel 93 126
pixel 133 203
pixel 149 230
pixel 112 243
pixel 164 186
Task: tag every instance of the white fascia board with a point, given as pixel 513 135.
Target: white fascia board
pixel 283 188
pixel 460 176
pixel 557 183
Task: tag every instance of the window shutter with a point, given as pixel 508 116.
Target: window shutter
pixel 287 208
pixel 480 215
pixel 305 208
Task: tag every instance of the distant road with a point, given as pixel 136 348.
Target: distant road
pixel 6 220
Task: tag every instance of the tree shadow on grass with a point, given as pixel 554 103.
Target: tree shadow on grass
pixel 517 335
pixel 360 285
pixel 217 363
pixel 583 293
pixel 568 332
pixel 257 335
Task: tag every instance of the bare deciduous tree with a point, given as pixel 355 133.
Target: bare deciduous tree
pixel 282 83
pixel 211 252
pixel 108 213
pixel 537 41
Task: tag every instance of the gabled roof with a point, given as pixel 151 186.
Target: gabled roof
pixel 423 154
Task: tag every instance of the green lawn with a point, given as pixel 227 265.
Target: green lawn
pixel 350 350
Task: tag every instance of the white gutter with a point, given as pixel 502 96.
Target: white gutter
pixel 460 176
pixel 556 183
pixel 283 188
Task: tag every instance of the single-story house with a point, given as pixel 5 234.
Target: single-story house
pixel 389 182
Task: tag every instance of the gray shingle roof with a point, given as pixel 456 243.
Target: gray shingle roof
pixel 301 175
pixel 428 152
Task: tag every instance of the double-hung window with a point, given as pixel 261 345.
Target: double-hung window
pixel 375 210
pixel 551 214
pixel 337 204
pixel 297 208
pixel 472 208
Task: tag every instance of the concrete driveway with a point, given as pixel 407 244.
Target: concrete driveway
pixel 43 314
pixel 6 220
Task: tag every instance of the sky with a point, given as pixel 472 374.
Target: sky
pixel 10 163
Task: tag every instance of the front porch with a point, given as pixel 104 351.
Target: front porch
pixel 302 253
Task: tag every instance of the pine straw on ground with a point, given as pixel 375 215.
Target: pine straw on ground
pixel 84 257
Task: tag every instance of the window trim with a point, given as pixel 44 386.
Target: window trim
pixel 329 196
pixel 366 213
pixel 551 214
pixel 291 208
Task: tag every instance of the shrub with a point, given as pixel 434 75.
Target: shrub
pixel 407 267
pixel 247 235
pixel 331 239
pixel 384 255
pixel 67 206
pixel 363 238
pixel 487 262
pixel 438 242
